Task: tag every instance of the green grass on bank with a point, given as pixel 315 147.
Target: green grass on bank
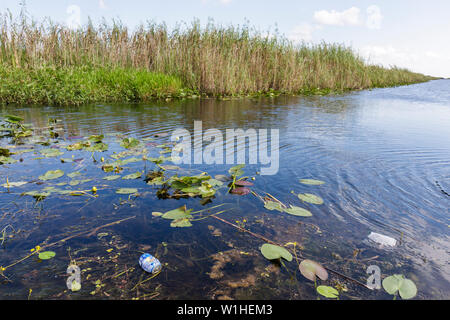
pixel 80 85
pixel 47 63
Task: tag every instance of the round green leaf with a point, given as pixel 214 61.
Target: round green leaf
pixel 272 252
pixel 311 182
pixel 126 190
pixel 392 284
pixel 310 269
pixel 328 292
pixel 310 198
pixel 50 175
pixel 408 289
pixel 273 205
pixel 297 211
pixel 46 255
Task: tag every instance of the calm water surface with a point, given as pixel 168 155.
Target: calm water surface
pixel 384 155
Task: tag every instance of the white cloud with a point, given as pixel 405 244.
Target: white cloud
pixel 301 33
pixel 102 4
pixel 349 17
pixel 427 62
pixel 74 19
pixel 374 17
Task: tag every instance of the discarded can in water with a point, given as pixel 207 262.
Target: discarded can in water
pixel 149 263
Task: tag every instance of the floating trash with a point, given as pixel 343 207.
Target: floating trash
pixel 382 239
pixel 149 263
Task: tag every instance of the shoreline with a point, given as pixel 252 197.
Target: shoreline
pixel 48 63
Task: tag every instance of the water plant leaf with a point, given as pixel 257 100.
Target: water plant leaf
pixel 408 289
pixel 126 190
pixel 46 255
pixel 4 152
pixel 181 223
pixel 129 143
pixel 310 198
pixel 76 286
pixel 13 119
pixel 170 167
pixel 97 147
pixel 111 178
pixel 242 191
pixel 297 211
pixel 236 170
pixel 157 214
pixel 77 182
pixel 7 160
pixel 96 138
pixel 214 182
pixel 272 252
pixel 132 176
pixel 51 152
pixel 10 184
pixel 397 282
pixel 51 175
pixel 328 292
pixel 179 213
pixel 273 205
pixel 243 183
pixel 310 269
pixel 312 182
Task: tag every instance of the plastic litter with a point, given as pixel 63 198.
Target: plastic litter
pixel 149 263
pixel 382 239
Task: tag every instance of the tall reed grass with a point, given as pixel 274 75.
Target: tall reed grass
pixel 213 60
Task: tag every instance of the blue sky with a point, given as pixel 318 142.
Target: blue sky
pixel 406 33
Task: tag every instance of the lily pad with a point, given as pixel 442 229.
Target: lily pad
pixel 51 175
pixel 129 143
pixel 180 213
pixel 7 160
pixel 273 252
pixel 46 255
pixel 312 182
pixel 181 223
pixel 406 288
pixel 97 147
pixel 242 191
pixel 310 198
pixel 14 184
pixel 96 138
pixel 297 211
pixel 243 183
pixel 273 205
pixel 310 269
pixel 51 152
pixel 236 170
pixel 328 292
pixel 126 190
pixel 132 176
pixel 111 178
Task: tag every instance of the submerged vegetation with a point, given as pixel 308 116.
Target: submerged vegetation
pixel 162 181
pixel 48 63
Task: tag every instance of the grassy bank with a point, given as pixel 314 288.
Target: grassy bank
pixel 44 62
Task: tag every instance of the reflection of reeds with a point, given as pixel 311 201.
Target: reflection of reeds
pixel 213 60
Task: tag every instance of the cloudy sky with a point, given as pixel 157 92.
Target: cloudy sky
pixel 406 33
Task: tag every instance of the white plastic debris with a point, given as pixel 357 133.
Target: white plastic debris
pixel 382 239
